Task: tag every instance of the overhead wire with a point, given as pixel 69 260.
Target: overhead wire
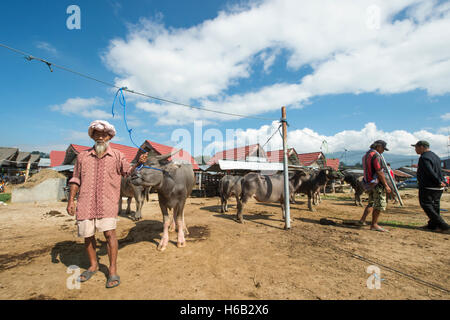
pixel 51 64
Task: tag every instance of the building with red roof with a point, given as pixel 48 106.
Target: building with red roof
pixel 131 153
pixel 333 163
pixel 312 159
pixel 74 149
pixel 277 156
pixel 57 158
pixel 240 153
pixel 155 149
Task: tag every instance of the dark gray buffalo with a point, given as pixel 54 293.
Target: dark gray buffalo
pixel 266 189
pixel 173 183
pixel 229 186
pixel 130 191
pixel 355 181
pixel 311 184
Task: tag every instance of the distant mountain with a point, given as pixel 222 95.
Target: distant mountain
pixel 354 157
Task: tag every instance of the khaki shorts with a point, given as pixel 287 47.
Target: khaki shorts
pixel 87 228
pixel 377 198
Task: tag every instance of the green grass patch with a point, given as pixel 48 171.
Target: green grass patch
pixel 399 223
pixel 344 198
pixel 5 197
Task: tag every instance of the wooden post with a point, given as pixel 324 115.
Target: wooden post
pixel 287 211
pixel 28 170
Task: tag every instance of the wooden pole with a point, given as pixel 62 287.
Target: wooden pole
pixel 287 211
pixel 28 170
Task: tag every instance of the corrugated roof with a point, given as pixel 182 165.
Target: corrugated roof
pixel 57 158
pixel 7 154
pixel 44 162
pixel 67 167
pixel 23 156
pixel 240 153
pixel 277 156
pixel 35 158
pixel 128 152
pixel 333 163
pixel 402 174
pixel 182 156
pixel 307 159
pixel 247 165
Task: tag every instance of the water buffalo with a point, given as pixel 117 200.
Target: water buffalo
pixel 355 181
pixel 266 189
pixel 337 176
pixel 173 183
pixel 129 190
pixel 312 184
pixel 229 186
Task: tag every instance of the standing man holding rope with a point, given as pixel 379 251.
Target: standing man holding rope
pixel 97 176
pixel 374 176
pixel 431 186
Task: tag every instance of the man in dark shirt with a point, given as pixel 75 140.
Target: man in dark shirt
pixel 374 174
pixel 431 185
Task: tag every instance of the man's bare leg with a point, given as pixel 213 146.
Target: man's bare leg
pixel 375 216
pixel 112 248
pixel 368 210
pixel 90 246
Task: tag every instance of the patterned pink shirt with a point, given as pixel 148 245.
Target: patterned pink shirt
pixel 99 180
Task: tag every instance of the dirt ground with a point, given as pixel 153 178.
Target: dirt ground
pixel 227 260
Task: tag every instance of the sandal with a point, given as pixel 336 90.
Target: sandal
pixel 113 279
pixel 87 275
pixel 379 229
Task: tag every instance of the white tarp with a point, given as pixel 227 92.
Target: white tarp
pixel 253 166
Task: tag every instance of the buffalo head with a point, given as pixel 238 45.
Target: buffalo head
pixel 153 171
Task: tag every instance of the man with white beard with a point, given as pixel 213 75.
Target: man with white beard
pixel 96 177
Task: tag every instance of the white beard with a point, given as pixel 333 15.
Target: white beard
pixel 100 147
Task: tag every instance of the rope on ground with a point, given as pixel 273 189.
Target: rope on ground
pixel 362 258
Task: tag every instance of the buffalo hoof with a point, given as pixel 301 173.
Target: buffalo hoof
pixel 163 244
pixel 239 220
pixel 161 247
pixel 181 244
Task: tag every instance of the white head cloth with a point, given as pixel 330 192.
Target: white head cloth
pixel 101 125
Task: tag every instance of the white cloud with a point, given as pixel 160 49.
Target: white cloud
pixel 307 140
pixel 87 108
pixel 446 116
pixel 47 47
pixel 205 62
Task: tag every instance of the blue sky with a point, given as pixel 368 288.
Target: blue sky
pixel 343 79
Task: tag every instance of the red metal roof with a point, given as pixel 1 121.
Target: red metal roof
pixel 402 174
pixel 277 155
pixel 234 154
pixel 333 163
pixel 307 159
pixel 57 158
pixel 129 152
pixel 182 155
